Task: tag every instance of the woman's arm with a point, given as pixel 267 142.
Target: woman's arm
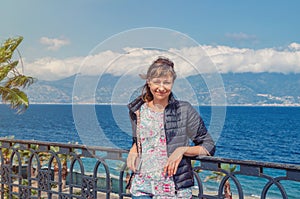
pixel 175 158
pixel 132 155
pixel 197 132
pixel 195 151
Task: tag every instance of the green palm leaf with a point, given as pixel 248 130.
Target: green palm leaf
pixel 11 80
pixel 15 97
pixel 7 49
pixel 19 81
pixel 4 70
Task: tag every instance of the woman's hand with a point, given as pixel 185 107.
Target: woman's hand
pixel 175 158
pixel 131 159
pixel 173 161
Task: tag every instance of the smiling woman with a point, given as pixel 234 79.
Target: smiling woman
pixel 11 80
pixel 162 126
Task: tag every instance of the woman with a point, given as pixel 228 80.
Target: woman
pixel 162 126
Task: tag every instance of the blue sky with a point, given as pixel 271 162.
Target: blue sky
pixel 59 33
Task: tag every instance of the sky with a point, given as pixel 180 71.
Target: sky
pixel 67 37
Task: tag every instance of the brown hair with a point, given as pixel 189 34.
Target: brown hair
pixel 162 66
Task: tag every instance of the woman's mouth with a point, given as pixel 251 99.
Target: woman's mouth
pixel 159 92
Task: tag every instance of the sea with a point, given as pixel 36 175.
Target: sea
pixel 259 133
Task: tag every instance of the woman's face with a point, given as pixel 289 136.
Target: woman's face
pixel 161 87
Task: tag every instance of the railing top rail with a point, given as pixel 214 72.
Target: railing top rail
pixel 64 145
pixel 217 160
pixel 250 163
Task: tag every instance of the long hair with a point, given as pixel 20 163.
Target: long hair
pixel 160 67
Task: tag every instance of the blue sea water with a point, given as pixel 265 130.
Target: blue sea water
pixel 269 134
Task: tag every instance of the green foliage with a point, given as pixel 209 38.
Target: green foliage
pixel 11 80
pixel 217 175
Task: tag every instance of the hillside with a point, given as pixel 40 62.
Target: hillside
pixel 240 88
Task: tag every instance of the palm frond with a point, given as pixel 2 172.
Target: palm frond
pixel 19 81
pixel 11 80
pixel 15 97
pixel 212 177
pixel 5 69
pixel 228 167
pixel 218 175
pixel 7 49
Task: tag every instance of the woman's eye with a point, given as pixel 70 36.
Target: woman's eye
pixel 168 83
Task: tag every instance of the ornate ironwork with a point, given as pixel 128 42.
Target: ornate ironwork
pixel 43 178
pixel 24 192
pixel 5 173
pixel 88 189
pixel 33 169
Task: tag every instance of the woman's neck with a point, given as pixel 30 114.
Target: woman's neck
pixel 158 105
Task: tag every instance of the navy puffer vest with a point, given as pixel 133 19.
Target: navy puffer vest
pixel 182 123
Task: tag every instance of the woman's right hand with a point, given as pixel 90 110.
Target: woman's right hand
pixel 131 159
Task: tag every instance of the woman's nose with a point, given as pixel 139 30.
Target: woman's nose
pixel 161 87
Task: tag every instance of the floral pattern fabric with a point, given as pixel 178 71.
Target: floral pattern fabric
pixel 150 180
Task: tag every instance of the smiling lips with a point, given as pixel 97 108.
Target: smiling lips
pixel 158 91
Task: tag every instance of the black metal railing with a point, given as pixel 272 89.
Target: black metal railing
pixel 35 169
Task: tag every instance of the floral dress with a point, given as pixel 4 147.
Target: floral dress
pixel 150 180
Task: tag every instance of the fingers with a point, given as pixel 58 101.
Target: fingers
pixel 174 160
pixel 171 168
pixel 131 161
pixel 165 170
pixel 176 167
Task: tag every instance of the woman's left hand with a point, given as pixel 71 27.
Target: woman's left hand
pixel 173 161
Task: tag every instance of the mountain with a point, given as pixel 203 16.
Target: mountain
pixel 262 88
pixel 240 89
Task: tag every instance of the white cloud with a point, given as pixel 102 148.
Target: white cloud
pixel 188 61
pixel 50 68
pixel 262 60
pixel 54 44
pixel 294 46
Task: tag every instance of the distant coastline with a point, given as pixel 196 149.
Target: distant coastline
pixel 122 104
pixel 231 105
